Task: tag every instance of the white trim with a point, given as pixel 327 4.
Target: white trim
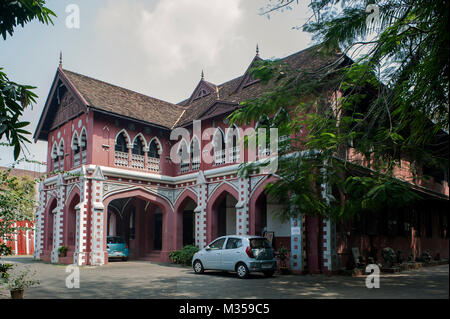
pixel 83 130
pixel 157 141
pixel 59 147
pixel 54 148
pixel 129 174
pixel 127 136
pixel 142 140
pixel 72 145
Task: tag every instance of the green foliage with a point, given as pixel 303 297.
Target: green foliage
pixel 390 103
pixel 20 277
pixel 4 272
pixel 63 250
pixel 16 203
pixel 15 98
pixel 19 12
pixel 183 256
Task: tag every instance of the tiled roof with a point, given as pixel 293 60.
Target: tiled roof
pixel 309 59
pixel 114 99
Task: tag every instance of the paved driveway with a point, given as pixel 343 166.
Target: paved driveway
pixel 140 279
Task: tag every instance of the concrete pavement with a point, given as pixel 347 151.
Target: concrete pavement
pixel 141 279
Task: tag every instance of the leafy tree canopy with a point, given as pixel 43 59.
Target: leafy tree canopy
pixel 14 97
pixel 389 102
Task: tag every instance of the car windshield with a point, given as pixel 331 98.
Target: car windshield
pixel 115 240
pixel 256 243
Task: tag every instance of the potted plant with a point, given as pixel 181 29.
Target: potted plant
pixel 282 255
pixel 62 251
pixel 19 278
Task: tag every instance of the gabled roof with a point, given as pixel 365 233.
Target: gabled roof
pixel 242 88
pixel 117 100
pixel 100 96
pixel 92 94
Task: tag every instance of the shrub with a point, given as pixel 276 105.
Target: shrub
pixel 183 256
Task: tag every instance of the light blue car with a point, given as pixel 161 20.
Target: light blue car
pixel 117 247
pixel 242 254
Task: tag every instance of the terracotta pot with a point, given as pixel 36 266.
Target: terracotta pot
pixel 17 294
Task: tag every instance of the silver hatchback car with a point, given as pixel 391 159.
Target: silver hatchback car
pixel 243 254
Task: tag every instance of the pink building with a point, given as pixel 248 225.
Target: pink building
pixel 119 176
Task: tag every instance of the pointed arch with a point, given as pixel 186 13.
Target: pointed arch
pixel 54 152
pixel 155 147
pixel 183 152
pixel 83 138
pixel 61 148
pixel 125 134
pixel 233 143
pixel 218 142
pixel 143 140
pixel 195 153
pixel 139 145
pixel 122 141
pixel 230 132
pixel 75 142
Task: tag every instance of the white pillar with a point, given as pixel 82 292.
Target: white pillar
pixel 200 211
pixel 242 209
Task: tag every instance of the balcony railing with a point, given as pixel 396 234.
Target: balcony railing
pixel 120 158
pixel 195 163
pixel 234 154
pixel 153 164
pixel 219 157
pixel 184 167
pixel 137 161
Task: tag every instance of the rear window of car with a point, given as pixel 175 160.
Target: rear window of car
pixel 115 240
pixel 233 243
pixel 259 243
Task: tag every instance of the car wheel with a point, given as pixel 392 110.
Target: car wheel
pixel 268 273
pixel 242 271
pixel 124 258
pixel 198 267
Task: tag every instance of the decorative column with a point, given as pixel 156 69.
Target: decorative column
pixel 200 211
pixel 329 257
pixel 242 214
pixel 98 254
pixel 79 256
pixel 58 213
pixel 297 233
pixel 39 223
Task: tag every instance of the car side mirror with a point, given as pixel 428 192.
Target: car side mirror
pixel 207 248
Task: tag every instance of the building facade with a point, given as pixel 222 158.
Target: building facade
pixel 113 172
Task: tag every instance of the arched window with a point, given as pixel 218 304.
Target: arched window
pixel 219 147
pixel 138 147
pixel 195 153
pixel 83 141
pixel 75 146
pixel 233 146
pixel 121 143
pixel 61 155
pixel 54 156
pixel 153 151
pixel 184 155
pixel 83 145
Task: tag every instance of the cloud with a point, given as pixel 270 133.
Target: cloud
pixel 175 33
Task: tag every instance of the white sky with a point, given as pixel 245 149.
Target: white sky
pixel 155 47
